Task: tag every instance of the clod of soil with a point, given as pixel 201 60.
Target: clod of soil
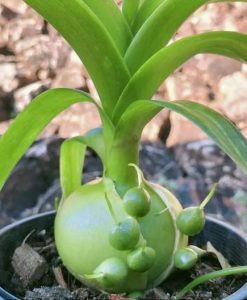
pixel 29 264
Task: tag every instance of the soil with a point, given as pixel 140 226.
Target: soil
pixel 57 283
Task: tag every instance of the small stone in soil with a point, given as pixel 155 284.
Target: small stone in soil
pixel 28 264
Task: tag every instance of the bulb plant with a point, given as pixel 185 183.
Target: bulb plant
pixel 121 233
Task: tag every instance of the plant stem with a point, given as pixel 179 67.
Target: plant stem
pixel 118 160
pixel 111 209
pixel 139 174
pixel 209 196
pixel 210 276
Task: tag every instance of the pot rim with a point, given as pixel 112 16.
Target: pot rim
pixel 225 224
pixel 24 220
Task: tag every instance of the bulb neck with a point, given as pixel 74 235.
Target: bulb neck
pixel 117 164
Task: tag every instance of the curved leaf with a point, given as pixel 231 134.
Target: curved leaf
pixel 92 42
pixel 238 295
pixel 110 15
pixel 145 11
pixel 148 78
pixel 72 155
pixel 155 24
pixel 225 134
pixel 149 7
pixel 28 125
pixel 158 30
pixel 94 139
pixel 130 9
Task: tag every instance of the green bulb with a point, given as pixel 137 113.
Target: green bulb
pixel 141 259
pixel 191 221
pixel 125 235
pixel 111 273
pixel 185 258
pixel 137 202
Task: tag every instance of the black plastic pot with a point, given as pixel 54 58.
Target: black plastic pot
pixel 231 242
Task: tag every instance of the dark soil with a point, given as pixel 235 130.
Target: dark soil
pixel 58 284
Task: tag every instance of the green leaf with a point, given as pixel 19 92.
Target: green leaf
pixel 210 276
pixel 72 158
pixel 92 42
pixel 94 139
pixel 148 78
pixel 29 124
pixel 158 30
pixel 110 15
pixel 145 11
pixel 217 1
pixel 225 134
pixel 149 6
pixel 72 155
pixel 130 9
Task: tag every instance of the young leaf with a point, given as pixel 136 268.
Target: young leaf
pixel 158 30
pixel 214 275
pixel 110 15
pixel 72 158
pixel 147 79
pixel 94 139
pixel 130 9
pixel 149 7
pixel 92 42
pixel 219 128
pixel 145 11
pixel 71 163
pixel 157 21
pixel 28 125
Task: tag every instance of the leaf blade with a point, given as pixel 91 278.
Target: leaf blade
pixel 147 79
pixel 149 6
pixel 86 34
pixel 164 22
pixel 28 125
pixel 149 20
pixel 110 15
pixel 145 11
pixel 72 154
pixel 130 9
pixel 224 133
pixel 240 294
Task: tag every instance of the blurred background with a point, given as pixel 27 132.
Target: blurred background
pixel 175 153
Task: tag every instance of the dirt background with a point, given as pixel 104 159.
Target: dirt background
pixel 34 58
